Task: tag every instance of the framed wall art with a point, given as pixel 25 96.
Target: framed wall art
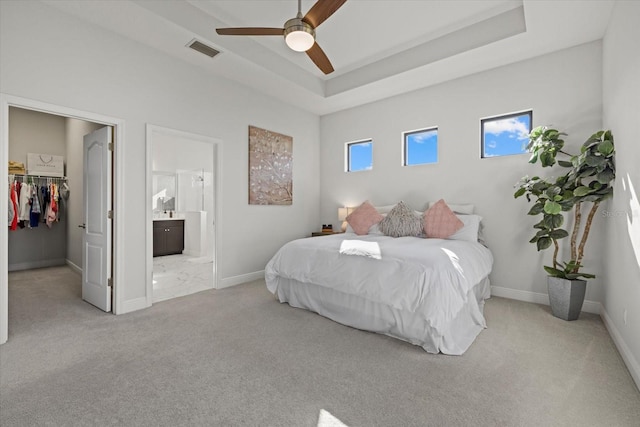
pixel 270 167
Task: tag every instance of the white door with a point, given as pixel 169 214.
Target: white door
pixel 96 241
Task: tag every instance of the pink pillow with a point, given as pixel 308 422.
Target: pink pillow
pixel 440 222
pixel 363 218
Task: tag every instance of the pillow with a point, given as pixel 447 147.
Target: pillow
pixel 374 229
pixel 384 209
pixel 401 221
pixel 459 209
pixel 471 230
pixel 440 222
pixel 363 217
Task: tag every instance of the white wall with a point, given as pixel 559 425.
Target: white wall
pixel 563 89
pixel 621 98
pixel 52 57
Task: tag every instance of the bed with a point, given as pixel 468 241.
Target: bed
pixel 429 292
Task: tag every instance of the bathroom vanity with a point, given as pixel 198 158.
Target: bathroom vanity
pixel 168 236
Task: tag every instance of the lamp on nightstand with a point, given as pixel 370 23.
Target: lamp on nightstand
pixel 343 213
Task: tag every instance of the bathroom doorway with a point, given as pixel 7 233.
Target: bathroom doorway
pixel 182 194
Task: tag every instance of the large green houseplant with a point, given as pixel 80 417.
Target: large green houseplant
pixel 586 182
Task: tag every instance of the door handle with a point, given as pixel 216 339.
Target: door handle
pixel 83 226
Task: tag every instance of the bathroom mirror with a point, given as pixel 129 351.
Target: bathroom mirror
pixel 164 191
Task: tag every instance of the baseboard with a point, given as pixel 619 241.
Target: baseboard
pixel 133 305
pixel 74 267
pixel 632 363
pixel 243 278
pixel 36 264
pixel 538 298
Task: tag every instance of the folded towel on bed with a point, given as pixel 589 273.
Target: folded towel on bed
pixel 360 247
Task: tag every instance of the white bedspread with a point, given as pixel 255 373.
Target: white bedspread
pixel 432 278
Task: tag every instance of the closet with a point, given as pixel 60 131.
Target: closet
pixel 50 205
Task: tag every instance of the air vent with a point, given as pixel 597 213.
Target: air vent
pixel 203 48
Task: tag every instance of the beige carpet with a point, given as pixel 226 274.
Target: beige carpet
pixel 238 357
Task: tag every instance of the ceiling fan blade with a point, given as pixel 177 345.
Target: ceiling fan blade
pixel 319 58
pixel 250 31
pixel 320 11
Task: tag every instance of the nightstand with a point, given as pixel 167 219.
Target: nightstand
pixel 324 233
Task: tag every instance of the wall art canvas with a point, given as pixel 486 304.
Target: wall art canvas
pixel 270 167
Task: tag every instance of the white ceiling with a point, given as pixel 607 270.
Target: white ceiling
pixel 378 48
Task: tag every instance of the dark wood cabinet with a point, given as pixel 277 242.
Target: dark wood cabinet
pixel 168 237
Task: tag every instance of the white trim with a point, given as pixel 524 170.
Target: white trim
pixel 74 267
pixel 134 305
pixel 627 356
pixel 539 298
pixel 7 101
pixel 243 278
pixel 217 197
pixel 36 264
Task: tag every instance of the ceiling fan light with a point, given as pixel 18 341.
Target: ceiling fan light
pixel 299 35
pixel 299 41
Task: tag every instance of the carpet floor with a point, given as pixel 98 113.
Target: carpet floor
pixel 237 357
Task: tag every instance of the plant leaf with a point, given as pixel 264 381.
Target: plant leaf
pixel 552 207
pixel 606 176
pixel 558 234
pixel 543 243
pixel 536 209
pixel 606 147
pixel 552 221
pixel 519 193
pixel 554 272
pixel 581 191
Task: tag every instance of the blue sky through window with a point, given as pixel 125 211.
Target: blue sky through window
pixel 506 135
pixel 421 147
pixel 360 156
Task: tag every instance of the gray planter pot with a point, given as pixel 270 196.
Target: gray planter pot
pixel 566 297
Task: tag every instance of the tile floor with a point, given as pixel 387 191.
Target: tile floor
pixel 179 275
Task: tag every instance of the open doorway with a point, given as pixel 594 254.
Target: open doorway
pixel 182 200
pixel 73 122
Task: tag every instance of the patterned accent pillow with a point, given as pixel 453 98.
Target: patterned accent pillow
pixel 440 222
pixel 363 218
pixel 401 221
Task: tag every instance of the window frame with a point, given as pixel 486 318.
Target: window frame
pixel 528 112
pixel 347 156
pixel 405 152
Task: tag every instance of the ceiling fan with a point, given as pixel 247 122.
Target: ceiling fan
pixel 299 32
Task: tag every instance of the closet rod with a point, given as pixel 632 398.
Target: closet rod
pixel 63 178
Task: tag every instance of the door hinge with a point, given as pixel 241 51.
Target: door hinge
pixel 110 214
pixel 110 282
pixel 111 146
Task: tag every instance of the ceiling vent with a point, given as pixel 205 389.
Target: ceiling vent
pixel 203 48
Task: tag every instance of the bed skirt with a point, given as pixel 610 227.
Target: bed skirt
pixel 361 313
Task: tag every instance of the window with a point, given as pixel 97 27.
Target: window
pixel 505 135
pixel 359 156
pixel 420 147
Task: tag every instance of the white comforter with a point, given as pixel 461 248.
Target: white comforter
pixel 432 278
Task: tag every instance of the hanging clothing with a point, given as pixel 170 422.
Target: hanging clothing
pixel 25 202
pixel 14 202
pixel 34 216
pixel 52 210
pixel 46 199
pixel 12 213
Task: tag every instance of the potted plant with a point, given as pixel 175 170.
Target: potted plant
pixel 588 181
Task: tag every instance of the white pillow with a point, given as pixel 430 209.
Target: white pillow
pixel 459 209
pixel 384 209
pixel 374 229
pixel 470 230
